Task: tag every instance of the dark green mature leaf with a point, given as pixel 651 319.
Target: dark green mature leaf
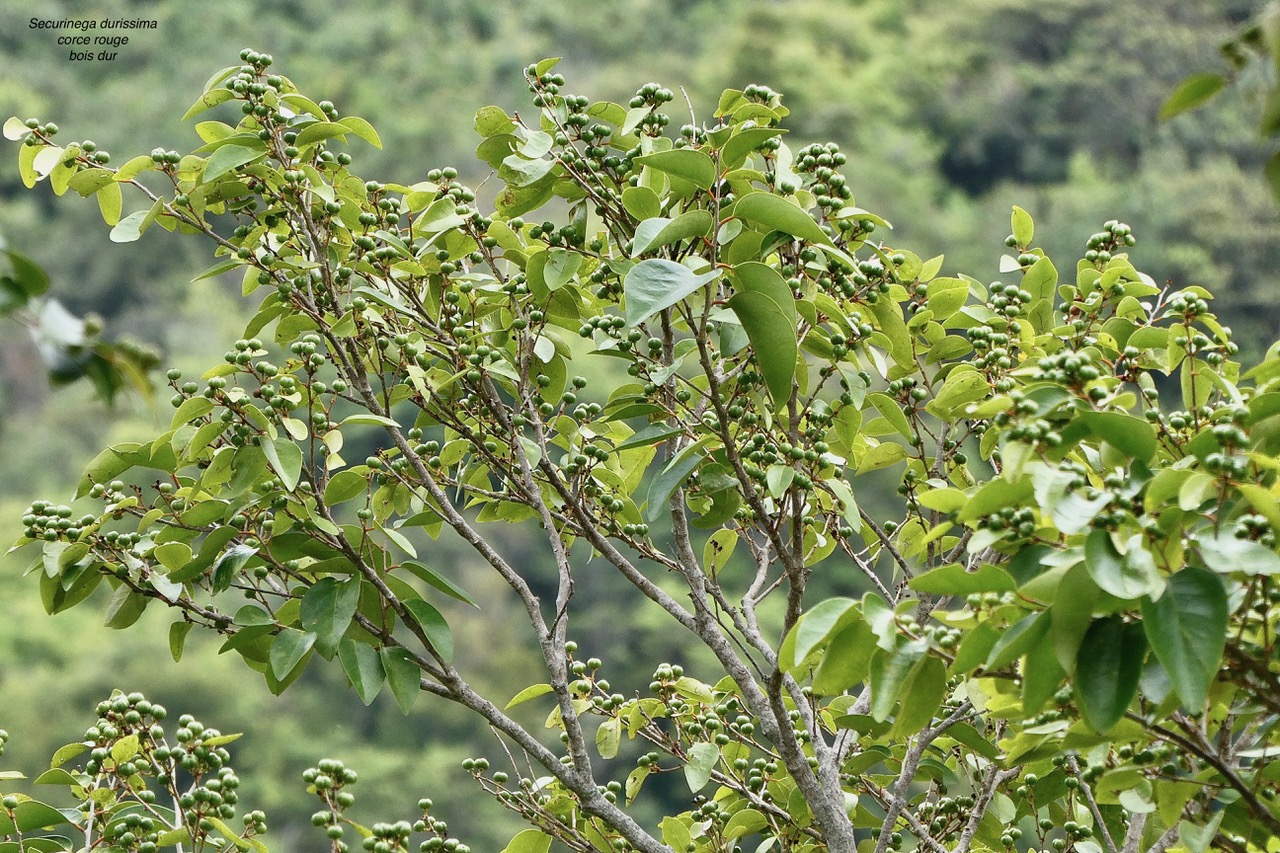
pixel 744 142
pixel 327 610
pixel 363 667
pixel 1108 667
pixel 654 285
pixel 285 459
pixel 889 673
pixel 772 333
pixel 1187 630
pixel 686 163
pixel 288 649
pixel 403 676
pixel 439 581
pixel 433 626
pixel 669 479
pixel 847 659
pixel 921 697
pixel 124 608
pixel 1191 93
pixel 1131 436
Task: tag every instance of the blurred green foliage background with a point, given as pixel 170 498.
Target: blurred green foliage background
pixel 950 111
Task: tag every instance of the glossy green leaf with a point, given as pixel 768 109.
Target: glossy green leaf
pixel 659 231
pixel 288 649
pixel 437 580
pixel 327 610
pixel 817 626
pixel 1187 630
pixel 654 285
pixel 1132 436
pixel 363 667
pixel 889 672
pixel 403 676
pixel 954 579
pixel 1108 667
pixel 772 334
pixel 433 626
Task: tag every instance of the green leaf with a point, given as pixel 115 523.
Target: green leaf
pixel 361 128
pixel 659 231
pixel 178 632
pixel 327 610
pixel 921 697
pixel 439 581
pixel 29 816
pixel 669 479
pixel 1226 554
pixel 285 458
pixel 493 121
pixel 1108 666
pixel 208 101
pixel 1131 575
pixel 229 157
pixel 772 334
pixel 110 201
pixel 130 228
pixel 529 841
pixel 954 579
pixel 1191 93
pixel 654 285
pixel 963 386
pixel 531 692
pixel 402 675
pixel 1187 630
pixel 686 163
pixel 15 129
pixel 778 214
pixel 889 672
pixel 1131 436
pixel 846 661
pixel 608 736
pixel 1023 227
pixel 363 667
pixel 288 649
pixel 817 626
pixel 345 485
pixel 124 608
pixel 231 562
pixel 433 626
pixel 702 760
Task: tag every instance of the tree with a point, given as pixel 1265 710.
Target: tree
pixel 1063 635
